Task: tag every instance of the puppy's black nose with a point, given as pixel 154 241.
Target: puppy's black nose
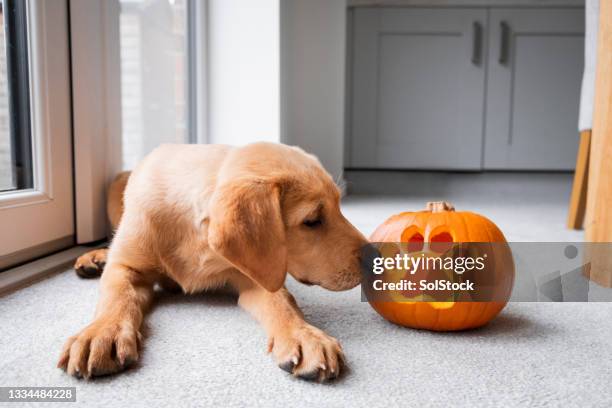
pixel 367 255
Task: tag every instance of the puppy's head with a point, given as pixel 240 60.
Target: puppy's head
pixel 276 210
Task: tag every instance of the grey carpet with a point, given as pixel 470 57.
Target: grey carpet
pixel 203 350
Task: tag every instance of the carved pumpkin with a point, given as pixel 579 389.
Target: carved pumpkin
pixel 434 230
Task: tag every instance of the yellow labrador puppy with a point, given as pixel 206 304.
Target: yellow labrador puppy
pixel 203 216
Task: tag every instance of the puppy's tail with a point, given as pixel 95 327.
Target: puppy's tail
pixel 91 264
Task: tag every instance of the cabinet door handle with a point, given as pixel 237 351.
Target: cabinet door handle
pixel 504 46
pixel 476 43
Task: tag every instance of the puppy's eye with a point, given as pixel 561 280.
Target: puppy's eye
pixel 314 223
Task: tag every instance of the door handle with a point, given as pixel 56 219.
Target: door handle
pixel 504 46
pixel 476 43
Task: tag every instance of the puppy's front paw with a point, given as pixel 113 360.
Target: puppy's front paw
pixel 102 348
pixel 308 353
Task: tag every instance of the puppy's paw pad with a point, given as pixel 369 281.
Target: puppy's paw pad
pixel 88 272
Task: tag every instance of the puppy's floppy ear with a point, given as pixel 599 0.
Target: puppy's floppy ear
pixel 246 228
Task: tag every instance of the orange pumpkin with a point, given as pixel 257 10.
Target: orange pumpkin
pixel 440 225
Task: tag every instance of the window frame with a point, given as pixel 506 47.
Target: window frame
pixel 43 214
pixel 75 96
pixel 96 90
pixel 15 28
pixel 96 111
pixel 198 75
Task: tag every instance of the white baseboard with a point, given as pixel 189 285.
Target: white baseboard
pixel 27 274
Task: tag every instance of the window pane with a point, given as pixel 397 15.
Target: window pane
pixel 6 165
pixel 15 142
pixel 153 76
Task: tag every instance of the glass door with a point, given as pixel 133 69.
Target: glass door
pixel 36 193
pixel 155 76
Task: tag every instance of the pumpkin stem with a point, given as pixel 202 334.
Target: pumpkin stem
pixel 439 206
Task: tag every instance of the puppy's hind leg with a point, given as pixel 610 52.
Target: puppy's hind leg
pixel 91 264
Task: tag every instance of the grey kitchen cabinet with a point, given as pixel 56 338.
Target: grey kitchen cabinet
pixel 534 74
pixel 418 86
pixel 464 88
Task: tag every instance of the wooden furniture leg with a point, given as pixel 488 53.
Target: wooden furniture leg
pixel 598 225
pixel 577 205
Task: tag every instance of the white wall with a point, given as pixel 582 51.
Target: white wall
pixel 313 49
pixel 277 72
pixel 244 71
